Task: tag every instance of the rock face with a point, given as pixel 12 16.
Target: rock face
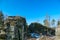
pixel 2 32
pixel 58 32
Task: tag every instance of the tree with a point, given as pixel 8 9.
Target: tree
pixel 35 27
pixel 1 18
pixel 46 23
pixel 53 22
pixel 39 28
pixel 58 22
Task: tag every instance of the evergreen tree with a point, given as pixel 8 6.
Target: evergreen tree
pixel 53 22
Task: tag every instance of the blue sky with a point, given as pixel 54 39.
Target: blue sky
pixel 32 10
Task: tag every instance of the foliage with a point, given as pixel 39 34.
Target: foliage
pixel 39 28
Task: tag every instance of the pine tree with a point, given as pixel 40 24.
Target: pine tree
pixel 53 22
